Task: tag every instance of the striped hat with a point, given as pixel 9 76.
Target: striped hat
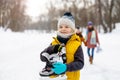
pixel 68 20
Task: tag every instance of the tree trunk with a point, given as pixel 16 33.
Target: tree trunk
pixel 100 17
pixel 110 16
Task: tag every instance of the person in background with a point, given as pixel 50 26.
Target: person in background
pixel 92 40
pixel 73 50
pixel 79 33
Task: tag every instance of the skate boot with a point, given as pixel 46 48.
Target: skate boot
pixel 91 60
pixel 46 72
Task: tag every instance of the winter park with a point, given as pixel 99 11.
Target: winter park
pixel 24 35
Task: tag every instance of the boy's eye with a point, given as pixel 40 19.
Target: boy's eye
pixel 60 27
pixel 66 26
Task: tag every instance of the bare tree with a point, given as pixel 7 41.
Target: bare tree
pixel 101 18
pixel 12 14
pixel 103 12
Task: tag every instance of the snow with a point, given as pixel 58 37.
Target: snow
pixel 19 56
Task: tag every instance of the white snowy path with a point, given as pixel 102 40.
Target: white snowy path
pixel 19 56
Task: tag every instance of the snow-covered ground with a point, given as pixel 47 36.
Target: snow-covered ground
pixel 19 56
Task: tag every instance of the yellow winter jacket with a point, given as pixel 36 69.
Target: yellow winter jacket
pixel 71 46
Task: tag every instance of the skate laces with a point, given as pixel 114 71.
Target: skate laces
pixel 59 56
pixel 61 52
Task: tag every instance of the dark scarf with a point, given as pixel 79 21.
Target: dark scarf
pixel 62 40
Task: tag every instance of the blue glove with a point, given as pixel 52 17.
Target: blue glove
pixel 59 68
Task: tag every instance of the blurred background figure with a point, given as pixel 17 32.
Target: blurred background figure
pixel 92 40
pixel 79 33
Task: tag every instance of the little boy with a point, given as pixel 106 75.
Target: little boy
pixel 74 53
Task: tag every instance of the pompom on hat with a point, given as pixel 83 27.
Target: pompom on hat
pixel 68 20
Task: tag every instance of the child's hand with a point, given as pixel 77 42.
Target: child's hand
pixel 59 68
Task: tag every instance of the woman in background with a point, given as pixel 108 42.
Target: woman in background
pixel 92 40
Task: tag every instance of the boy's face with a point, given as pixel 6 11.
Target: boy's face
pixel 64 29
